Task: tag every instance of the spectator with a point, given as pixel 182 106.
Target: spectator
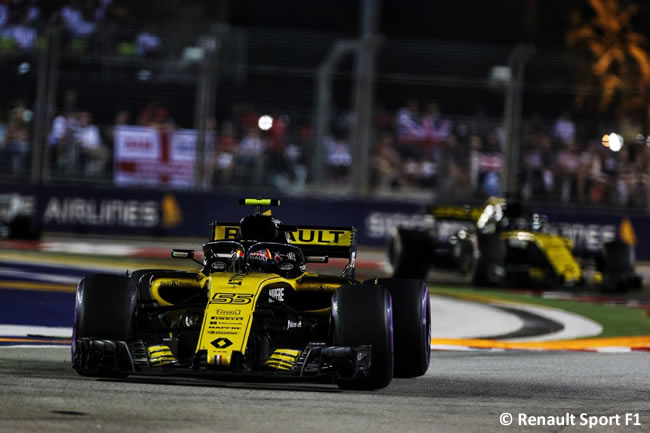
pixel 276 137
pixel 564 129
pixel 154 114
pixel 383 119
pixel 639 182
pixel 250 158
pixel 64 152
pixel 147 43
pixel 538 167
pixel 122 118
pixel 454 168
pixel 226 151
pixel 17 140
pixel 78 19
pixel 490 163
pixel 246 117
pixel 475 145
pixel 93 152
pixel 62 146
pixel 568 165
pixel 591 180
pixel 297 156
pixel 22 34
pixel 387 164
pixel 339 158
pixel 410 130
pixel 625 179
pixel 436 129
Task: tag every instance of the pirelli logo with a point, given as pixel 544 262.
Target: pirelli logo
pixel 339 237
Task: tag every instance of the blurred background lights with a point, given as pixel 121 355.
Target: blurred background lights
pixel 605 140
pixel 265 122
pixel 144 75
pixel 615 142
pixel 24 68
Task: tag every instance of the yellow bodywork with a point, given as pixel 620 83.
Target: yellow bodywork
pixel 557 251
pixel 160 355
pixel 301 236
pixel 283 359
pixel 228 317
pixel 229 313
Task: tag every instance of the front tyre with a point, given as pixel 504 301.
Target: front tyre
pixel 362 315
pixel 103 322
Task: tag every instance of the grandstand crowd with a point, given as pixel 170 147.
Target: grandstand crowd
pixel 86 25
pixel 414 148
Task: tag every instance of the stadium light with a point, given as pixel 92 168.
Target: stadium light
pixel 615 142
pixel 265 122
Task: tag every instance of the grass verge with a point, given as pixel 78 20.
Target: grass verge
pixel 616 320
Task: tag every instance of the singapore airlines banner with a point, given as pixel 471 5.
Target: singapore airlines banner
pixel 149 156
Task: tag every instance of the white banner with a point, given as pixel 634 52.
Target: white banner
pixel 148 156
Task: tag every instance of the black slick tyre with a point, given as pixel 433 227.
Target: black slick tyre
pixel 491 257
pixel 411 325
pixel 408 252
pixel 104 310
pixel 362 315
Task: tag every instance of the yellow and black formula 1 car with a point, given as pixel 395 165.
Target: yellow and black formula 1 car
pixel 501 244
pixel 254 310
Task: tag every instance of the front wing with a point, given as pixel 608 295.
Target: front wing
pixel 119 358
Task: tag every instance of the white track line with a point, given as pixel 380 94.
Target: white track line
pixel 25 330
pixel 40 276
pixel 575 325
pixel 456 318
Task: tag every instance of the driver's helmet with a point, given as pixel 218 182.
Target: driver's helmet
pixel 223 256
pixel 269 257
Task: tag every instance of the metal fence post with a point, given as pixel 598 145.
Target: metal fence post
pixel 512 117
pixel 363 99
pixel 206 97
pixel 46 89
pixel 322 109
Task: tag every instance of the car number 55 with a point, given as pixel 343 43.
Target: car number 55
pixel 232 298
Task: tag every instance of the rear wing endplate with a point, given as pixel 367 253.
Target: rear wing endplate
pixel 457 213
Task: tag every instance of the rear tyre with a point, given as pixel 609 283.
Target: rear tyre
pixel 104 310
pixel 617 263
pixel 362 315
pixel 408 253
pixel 411 325
pixel 489 270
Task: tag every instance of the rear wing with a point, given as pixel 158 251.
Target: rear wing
pixel 456 213
pixel 340 242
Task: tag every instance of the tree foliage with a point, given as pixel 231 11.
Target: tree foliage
pixel 619 61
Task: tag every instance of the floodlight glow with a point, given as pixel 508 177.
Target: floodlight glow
pixel 265 123
pixel 615 142
pixel 605 140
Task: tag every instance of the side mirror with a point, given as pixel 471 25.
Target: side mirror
pixel 317 259
pixel 182 254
